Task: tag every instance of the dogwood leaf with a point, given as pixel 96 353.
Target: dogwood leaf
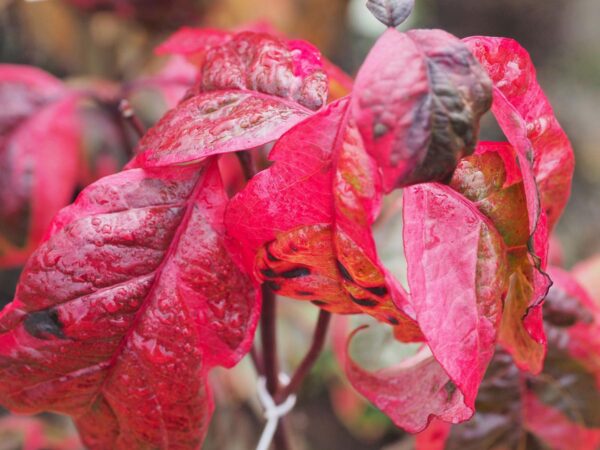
pixel 193 43
pixel 411 393
pixel 492 180
pixel 37 180
pixel 457 272
pixel 417 102
pixel 556 409
pixel 216 122
pixel 528 121
pixel 125 307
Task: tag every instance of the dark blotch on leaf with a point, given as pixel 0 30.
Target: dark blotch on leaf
pixel 379 291
pixel 343 271
pixel 379 130
pixel 393 321
pixel 269 273
pixel 305 293
pixel 270 256
pixel 450 388
pixel 368 302
pixel 296 273
pixel 43 324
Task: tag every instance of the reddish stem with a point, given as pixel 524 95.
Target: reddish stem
pixel 129 115
pixel 269 350
pixel 311 357
pixel 269 340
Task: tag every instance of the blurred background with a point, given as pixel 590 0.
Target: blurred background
pixel 114 40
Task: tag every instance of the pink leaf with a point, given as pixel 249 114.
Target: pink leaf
pixel 412 393
pixel 125 307
pixel 417 101
pixel 492 180
pixel 37 180
pixel 558 408
pixel 457 273
pixel 259 62
pixel 526 117
pixel 216 122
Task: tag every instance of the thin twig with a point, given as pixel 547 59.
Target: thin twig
pixel 269 350
pixel 269 340
pixel 134 121
pixel 311 356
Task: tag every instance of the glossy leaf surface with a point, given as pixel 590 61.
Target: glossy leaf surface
pixel 216 122
pixel 417 102
pixel 263 63
pixel 124 308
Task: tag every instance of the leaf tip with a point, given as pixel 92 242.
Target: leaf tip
pixel 391 12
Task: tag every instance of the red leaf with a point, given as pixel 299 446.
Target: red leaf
pixel 557 409
pixel 259 62
pixel 303 225
pixel 81 143
pixel 526 117
pixel 37 180
pixel 23 91
pixel 410 394
pixel 193 43
pixel 216 122
pixel 417 101
pixel 492 180
pixel 124 308
pixel 457 272
pixel 556 430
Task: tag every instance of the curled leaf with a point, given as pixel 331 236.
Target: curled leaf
pixel 528 121
pixel 411 394
pixel 125 307
pixel 263 63
pixel 556 409
pixel 417 102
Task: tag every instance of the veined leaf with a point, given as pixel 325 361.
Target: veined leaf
pixel 556 409
pixel 125 307
pixel 527 119
pixel 492 180
pixel 417 102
